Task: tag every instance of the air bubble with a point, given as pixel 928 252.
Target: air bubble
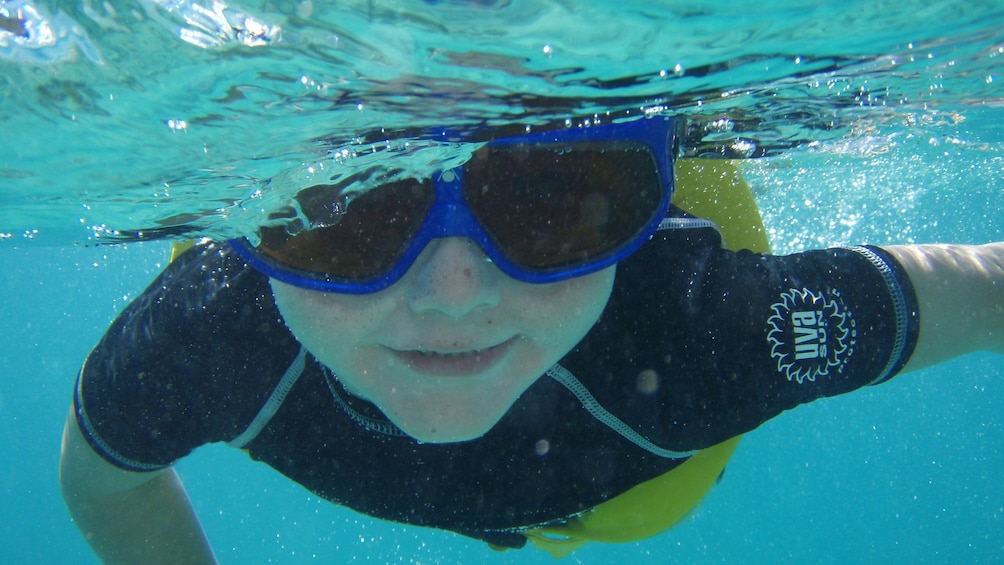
pixel 542 447
pixel 648 382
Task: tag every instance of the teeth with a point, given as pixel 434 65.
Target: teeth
pixel 435 354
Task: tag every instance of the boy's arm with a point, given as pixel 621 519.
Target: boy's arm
pixel 128 517
pixel 960 290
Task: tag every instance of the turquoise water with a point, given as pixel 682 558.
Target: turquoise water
pixel 861 121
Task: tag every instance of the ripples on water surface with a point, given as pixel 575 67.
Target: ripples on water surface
pixel 125 120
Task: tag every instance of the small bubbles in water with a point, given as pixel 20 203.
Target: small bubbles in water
pixel 722 125
pixel 744 147
pixel 542 447
pixel 359 106
pixel 548 49
pixel 177 125
pixel 648 382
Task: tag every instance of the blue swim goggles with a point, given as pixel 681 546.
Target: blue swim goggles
pixel 543 207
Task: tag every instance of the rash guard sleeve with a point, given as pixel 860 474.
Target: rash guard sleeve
pixel 189 362
pixel 700 344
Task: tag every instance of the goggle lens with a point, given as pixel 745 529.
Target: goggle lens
pixel 548 207
pixel 355 240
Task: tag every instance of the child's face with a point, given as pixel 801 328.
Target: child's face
pixel 445 351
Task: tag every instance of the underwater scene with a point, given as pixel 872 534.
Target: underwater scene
pixel 131 125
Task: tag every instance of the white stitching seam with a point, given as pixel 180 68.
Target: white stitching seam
pixel 271 405
pixel 589 402
pixel 384 427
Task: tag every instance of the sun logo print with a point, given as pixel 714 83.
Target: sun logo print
pixel 810 335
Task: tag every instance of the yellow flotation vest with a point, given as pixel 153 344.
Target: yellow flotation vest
pixel 711 189
pixel 714 190
pixel 181 246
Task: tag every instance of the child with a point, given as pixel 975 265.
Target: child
pixel 499 350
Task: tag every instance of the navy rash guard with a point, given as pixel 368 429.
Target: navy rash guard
pixel 722 341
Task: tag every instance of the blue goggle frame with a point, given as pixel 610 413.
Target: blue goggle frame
pixel 451 216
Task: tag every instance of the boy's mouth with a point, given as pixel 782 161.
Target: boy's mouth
pixel 454 363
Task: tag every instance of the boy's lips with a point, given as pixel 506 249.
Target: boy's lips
pixel 463 363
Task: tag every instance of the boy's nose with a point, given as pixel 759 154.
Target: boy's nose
pixel 454 277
